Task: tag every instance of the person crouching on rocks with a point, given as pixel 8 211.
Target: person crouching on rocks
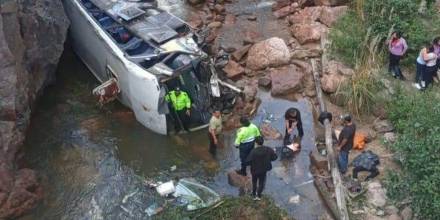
pixel 294 132
pixel 245 141
pixel 260 159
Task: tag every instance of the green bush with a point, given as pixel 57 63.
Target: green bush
pixel 381 17
pixel 417 121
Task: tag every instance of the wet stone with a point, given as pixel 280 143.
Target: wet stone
pixel 233 70
pixel 241 52
pixel 239 181
pixel 265 82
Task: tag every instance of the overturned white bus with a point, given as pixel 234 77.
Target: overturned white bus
pixel 139 53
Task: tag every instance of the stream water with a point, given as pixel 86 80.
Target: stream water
pixel 93 160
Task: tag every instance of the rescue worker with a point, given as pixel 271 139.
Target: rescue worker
pixel 181 104
pixel 215 128
pixel 245 141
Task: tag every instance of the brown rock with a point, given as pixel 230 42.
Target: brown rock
pixel 306 16
pixel 329 15
pixel 251 37
pixel 394 217
pixel 233 70
pixel 301 54
pixel 330 2
pixel 269 132
pixel 252 17
pixel 331 83
pixel 280 4
pixel 195 21
pixel 286 80
pixel 220 18
pixel 250 92
pixel 305 66
pixel 215 24
pixel 308 33
pixel 283 12
pixel 230 19
pixel 195 2
pixel 272 52
pixel 241 52
pixel 237 180
pixel 265 82
pixel 407 213
pixel 219 8
pixel 335 67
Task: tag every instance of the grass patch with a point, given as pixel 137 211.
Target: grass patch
pixel 232 208
pixel 417 121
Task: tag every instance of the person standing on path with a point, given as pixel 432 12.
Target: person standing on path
pixel 245 141
pixel 215 129
pixel 397 47
pixel 345 143
pixel 431 68
pixel 260 159
pixel 421 66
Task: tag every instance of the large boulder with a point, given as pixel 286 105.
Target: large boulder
pixel 376 195
pixel 308 33
pixel 32 35
pixel 329 15
pixel 331 83
pixel 286 80
pixel 272 52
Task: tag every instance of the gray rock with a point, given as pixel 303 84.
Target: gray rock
pixel 406 213
pixel 390 137
pixel 394 217
pixel 32 35
pixel 389 210
pixel 376 195
pixel 383 126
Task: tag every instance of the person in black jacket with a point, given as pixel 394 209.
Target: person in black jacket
pixel 260 160
pixel 292 122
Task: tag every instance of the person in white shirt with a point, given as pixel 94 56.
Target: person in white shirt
pixel 431 67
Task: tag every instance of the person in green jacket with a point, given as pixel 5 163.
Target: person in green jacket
pixel 181 104
pixel 245 141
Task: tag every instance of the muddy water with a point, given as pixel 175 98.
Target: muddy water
pixel 93 160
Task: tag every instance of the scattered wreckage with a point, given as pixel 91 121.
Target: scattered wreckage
pixel 139 53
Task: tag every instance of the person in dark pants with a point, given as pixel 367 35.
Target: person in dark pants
pixel 366 161
pixel 436 44
pixel 345 143
pixel 215 128
pixel 260 160
pixel 397 47
pixel 181 104
pixel 245 141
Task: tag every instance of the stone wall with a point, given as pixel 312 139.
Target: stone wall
pixel 32 35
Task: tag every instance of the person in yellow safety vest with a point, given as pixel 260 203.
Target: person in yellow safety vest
pixel 245 141
pixel 181 103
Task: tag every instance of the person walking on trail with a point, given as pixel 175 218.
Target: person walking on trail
pixel 345 143
pixel 260 159
pixel 181 104
pixel 431 68
pixel 397 47
pixel 366 161
pixel 421 66
pixel 215 129
pixel 245 141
